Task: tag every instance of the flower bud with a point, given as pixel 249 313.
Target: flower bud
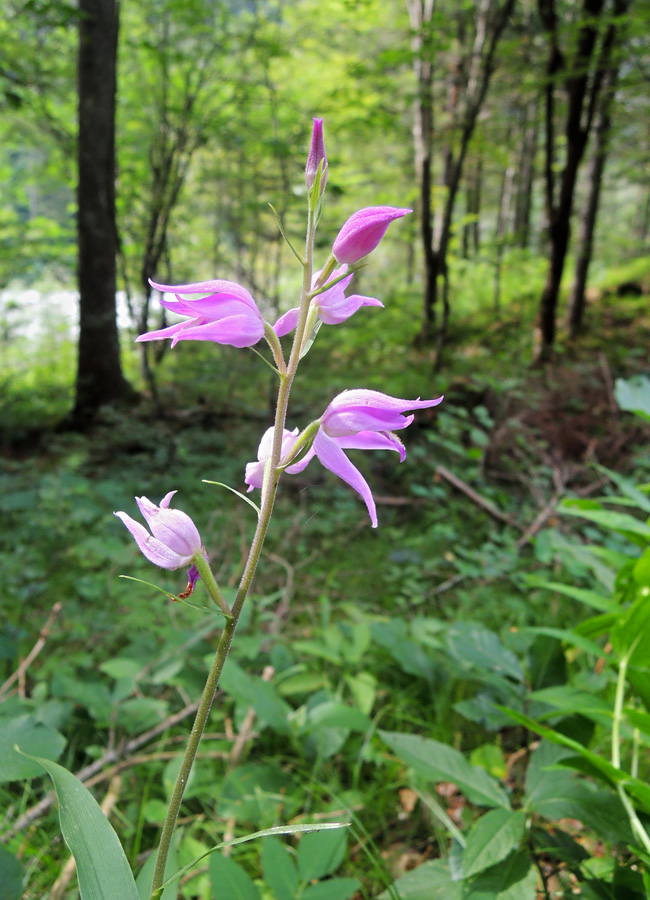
pixel 316 157
pixel 363 231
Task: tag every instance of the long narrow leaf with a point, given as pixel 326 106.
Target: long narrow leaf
pixel 102 868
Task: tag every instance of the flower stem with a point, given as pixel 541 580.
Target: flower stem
pixel 269 492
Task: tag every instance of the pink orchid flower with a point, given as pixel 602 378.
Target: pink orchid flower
pixel 227 315
pixel 355 420
pixel 174 539
pixel 363 231
pixel 332 306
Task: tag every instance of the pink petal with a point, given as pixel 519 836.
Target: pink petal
pixel 287 322
pixel 333 458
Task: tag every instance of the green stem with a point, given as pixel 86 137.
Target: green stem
pixel 637 828
pixel 269 492
pixel 210 583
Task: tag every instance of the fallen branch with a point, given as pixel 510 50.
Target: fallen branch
pixel 112 756
pixel 33 653
pixel 475 497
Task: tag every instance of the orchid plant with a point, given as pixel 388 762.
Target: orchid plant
pixel 226 313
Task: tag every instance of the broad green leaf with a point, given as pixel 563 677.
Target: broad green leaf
pixel 229 881
pixel 477 647
pixel 280 872
pixel 443 763
pixel 332 889
pixel 254 792
pixel 430 881
pixel 321 854
pixel 102 868
pixel 512 879
pixel 633 395
pixel 33 737
pixel 257 693
pixel 567 699
pixel 11 876
pixel 333 714
pixel 492 837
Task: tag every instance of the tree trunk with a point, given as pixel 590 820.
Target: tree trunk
pixel 582 80
pixel 471 231
pixel 99 373
pixel 590 211
pixel 526 175
pixel 470 77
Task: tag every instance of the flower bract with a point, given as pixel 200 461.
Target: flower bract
pixel 173 539
pixel 226 314
pixel 363 231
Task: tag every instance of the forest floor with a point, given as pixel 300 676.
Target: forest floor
pixel 340 610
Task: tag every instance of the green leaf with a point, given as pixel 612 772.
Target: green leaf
pixel 261 695
pixel 430 881
pixel 333 714
pixel 440 762
pixel 479 648
pixel 512 879
pixel 102 868
pixel 280 872
pixel 229 881
pixel 493 837
pixel 614 521
pixel 632 634
pixel 568 636
pixel 321 854
pixel 599 766
pixel 11 876
pixel 32 737
pixel 633 395
pixel 332 889
pixel 589 598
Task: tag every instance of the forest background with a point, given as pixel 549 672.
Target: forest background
pixel 519 134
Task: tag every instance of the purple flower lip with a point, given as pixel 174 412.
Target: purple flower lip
pixel 254 476
pixel 227 315
pixel 363 231
pixel 316 157
pixel 174 539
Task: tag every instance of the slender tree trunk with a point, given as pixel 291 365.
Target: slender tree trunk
pixel 526 175
pixel 590 211
pixel 99 373
pixel 420 13
pixel 582 82
pixel 502 230
pixel 466 92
